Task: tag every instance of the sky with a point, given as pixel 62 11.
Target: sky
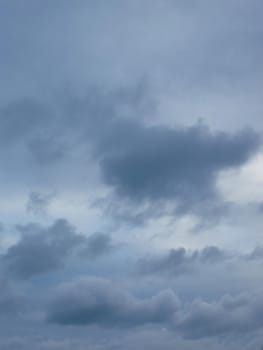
pixel 131 182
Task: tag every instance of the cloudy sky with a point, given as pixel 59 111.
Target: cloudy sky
pixel 131 174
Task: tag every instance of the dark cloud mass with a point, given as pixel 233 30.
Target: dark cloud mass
pixel 140 163
pixel 157 163
pixel 44 249
pixel 98 301
pixel 41 249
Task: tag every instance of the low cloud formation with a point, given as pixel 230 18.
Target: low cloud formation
pixel 140 163
pixel 230 315
pixel 44 249
pixel 94 301
pixel 180 261
pixel 41 249
pixel 159 163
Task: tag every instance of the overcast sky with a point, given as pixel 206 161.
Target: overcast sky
pixel 131 174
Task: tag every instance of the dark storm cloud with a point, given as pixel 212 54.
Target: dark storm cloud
pixel 158 163
pixel 44 249
pixel 180 261
pixel 100 302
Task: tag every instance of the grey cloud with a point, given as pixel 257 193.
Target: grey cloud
pixel 260 207
pixel 202 58
pixel 140 340
pixel 230 315
pixel 44 249
pixel 38 202
pixel 180 261
pixel 100 302
pixel 255 254
pixel 41 249
pixel 20 118
pixel 47 149
pixel 45 343
pixel 175 262
pixel 30 137
pixel 96 245
pixel 212 255
pixel 48 130
pixel 140 163
pixel 157 163
pixel 10 301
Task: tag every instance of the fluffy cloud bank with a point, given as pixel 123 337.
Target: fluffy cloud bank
pixel 97 301
pixel 93 301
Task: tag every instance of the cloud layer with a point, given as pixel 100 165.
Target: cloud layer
pixel 96 301
pixel 131 175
